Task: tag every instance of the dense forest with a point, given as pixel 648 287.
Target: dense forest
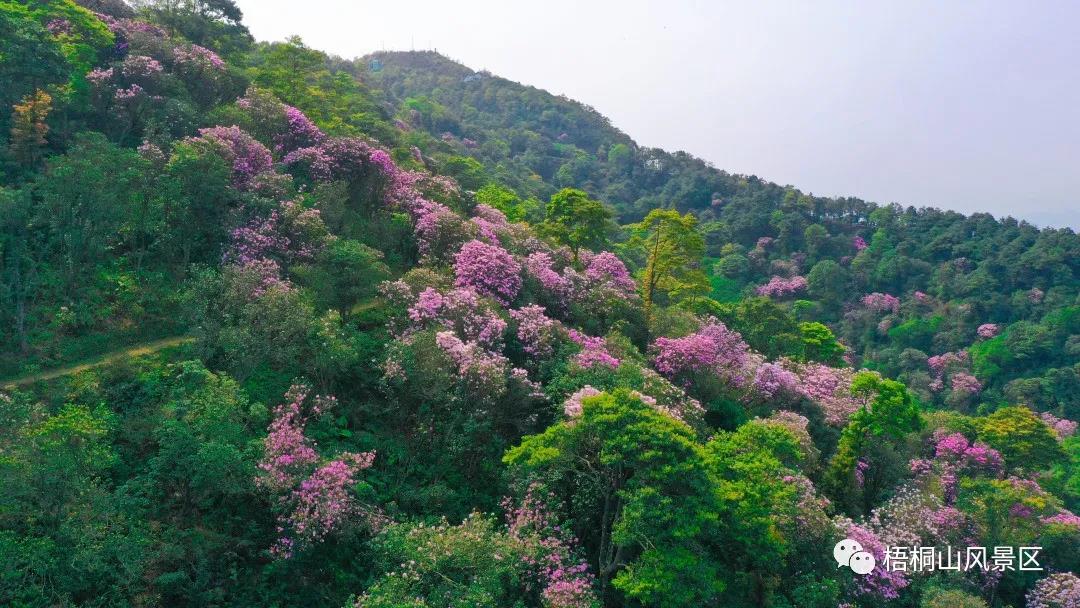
pixel 286 329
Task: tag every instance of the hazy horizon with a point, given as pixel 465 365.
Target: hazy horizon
pixel 967 107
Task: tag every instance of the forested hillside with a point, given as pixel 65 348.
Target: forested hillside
pixel 285 329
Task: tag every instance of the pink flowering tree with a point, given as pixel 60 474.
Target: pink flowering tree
pixel 881 583
pixel 1060 590
pixel 830 388
pixel 1062 427
pixel 594 351
pixel 462 311
pixel 488 269
pixel 712 351
pixel 537 333
pixel 780 287
pixel 881 303
pixel 312 494
pixel 248 158
pixel 988 330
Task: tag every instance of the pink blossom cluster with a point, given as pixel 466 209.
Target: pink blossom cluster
pixel 1062 427
pixel 779 287
pixel 255 278
pixel 714 349
pixel 773 379
pixel 291 232
pixel 314 500
pixel 964 383
pixel 1059 590
pixel 988 330
pixel 483 372
pixel 249 158
pixel 955 449
pixel 490 223
pixel 939 364
pixel 1062 518
pixel 436 227
pixel 198 57
pixel 140 67
pixel 535 330
pixel 922 297
pixel 830 389
pixel 128 94
pixel 567 582
pixel 572 407
pixel 335 158
pixel 764 242
pixel 130 27
pixel 881 302
pixel 540 266
pixel 489 269
pixel 593 351
pixel 58 27
pixel 300 132
pixel 810 518
pixel 322 501
pixel 1035 295
pixel 861 467
pixel 884 583
pixel 606 270
pixel 287 450
pixel 915 517
pixel 99 77
pixel 859 243
pixel 462 311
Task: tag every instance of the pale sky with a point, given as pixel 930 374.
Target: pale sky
pixel 973 106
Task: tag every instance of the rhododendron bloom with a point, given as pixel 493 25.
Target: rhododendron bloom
pixel 713 349
pixel 244 153
pixel 593 351
pixel 489 269
pixel 1060 590
pixel 965 384
pixel 779 287
pixel 535 330
pixel 830 388
pixel 199 57
pixel 1064 518
pixel 1062 427
pixel 988 330
pixel 608 270
pixel 881 302
pixel 572 407
pixel 772 379
pixel 490 223
pixel 313 500
pixel 885 583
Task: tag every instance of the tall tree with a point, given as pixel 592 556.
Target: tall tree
pixel 577 221
pixel 672 248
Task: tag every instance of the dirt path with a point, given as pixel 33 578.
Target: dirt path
pixel 131 351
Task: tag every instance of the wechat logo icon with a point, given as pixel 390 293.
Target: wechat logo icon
pixel 850 553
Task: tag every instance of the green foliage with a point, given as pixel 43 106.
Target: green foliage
pixel 1022 438
pixel 471 564
pixel 638 487
pixel 940 597
pixel 576 221
pixel 819 344
pixel 671 248
pixel 133 481
pixel 347 273
pixel 303 77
